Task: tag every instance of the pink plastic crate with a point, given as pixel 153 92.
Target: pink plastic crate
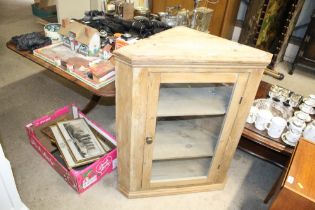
pixel 80 180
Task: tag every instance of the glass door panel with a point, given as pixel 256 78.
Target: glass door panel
pixel 193 99
pixel 188 127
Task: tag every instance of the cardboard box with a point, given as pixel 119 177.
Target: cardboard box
pixel 78 179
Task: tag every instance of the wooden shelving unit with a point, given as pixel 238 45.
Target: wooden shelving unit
pixel 180 110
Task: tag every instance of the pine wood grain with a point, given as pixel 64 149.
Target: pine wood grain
pixel 188 46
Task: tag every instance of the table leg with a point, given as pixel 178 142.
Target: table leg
pixel 92 103
pixel 276 186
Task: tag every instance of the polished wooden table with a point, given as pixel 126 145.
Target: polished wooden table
pixel 106 91
pixel 260 144
pixel 298 187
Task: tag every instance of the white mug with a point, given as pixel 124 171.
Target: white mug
pixel 297 124
pixel 263 117
pixel 309 132
pixel 276 127
pixel 252 115
pixel 293 136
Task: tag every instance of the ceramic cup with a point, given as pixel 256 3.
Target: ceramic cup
pixel 276 127
pixel 252 115
pixel 302 116
pixel 307 107
pixel 310 101
pixel 293 136
pixel 263 117
pixel 297 125
pixel 312 96
pixel 309 132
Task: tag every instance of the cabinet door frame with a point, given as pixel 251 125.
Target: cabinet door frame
pixel 154 81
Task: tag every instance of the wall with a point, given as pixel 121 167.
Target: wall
pixel 72 8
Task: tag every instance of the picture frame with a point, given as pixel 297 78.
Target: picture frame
pixel 48 132
pixel 63 148
pixel 80 140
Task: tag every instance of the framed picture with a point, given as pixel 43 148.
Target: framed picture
pixel 48 132
pixel 81 141
pixel 63 148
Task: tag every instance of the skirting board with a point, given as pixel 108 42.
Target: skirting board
pixel 172 191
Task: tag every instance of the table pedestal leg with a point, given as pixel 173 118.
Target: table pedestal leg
pixel 92 103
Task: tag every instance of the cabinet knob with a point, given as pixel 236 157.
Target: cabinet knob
pixel 149 140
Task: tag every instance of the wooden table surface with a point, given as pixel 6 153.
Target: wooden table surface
pixel 106 91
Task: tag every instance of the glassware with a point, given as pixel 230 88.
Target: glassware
pixel 170 20
pixel 295 100
pixel 182 17
pixel 201 18
pixel 142 11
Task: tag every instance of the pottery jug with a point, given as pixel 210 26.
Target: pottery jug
pixel 309 132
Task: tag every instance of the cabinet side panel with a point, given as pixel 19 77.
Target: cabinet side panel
pixel 131 102
pixel 138 125
pixel 123 122
pixel 248 98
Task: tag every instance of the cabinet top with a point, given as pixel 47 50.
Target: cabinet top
pixel 182 46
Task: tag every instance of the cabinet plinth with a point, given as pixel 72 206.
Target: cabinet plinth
pixel 181 105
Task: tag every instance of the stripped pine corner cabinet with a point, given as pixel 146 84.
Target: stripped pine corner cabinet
pixel 181 104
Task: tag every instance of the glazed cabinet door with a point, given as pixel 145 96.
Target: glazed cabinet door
pixel 189 120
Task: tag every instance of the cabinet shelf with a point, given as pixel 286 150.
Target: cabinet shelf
pixel 186 138
pixel 192 101
pixel 163 170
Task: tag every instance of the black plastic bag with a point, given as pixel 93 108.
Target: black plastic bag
pixel 31 41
